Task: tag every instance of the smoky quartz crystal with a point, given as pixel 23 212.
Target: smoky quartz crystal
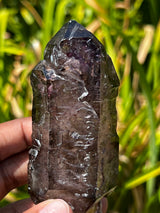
pixel 74 155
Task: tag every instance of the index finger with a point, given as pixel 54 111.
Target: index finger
pixel 15 136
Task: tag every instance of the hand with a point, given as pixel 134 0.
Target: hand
pixel 15 138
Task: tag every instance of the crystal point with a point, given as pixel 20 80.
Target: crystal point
pixel 74 155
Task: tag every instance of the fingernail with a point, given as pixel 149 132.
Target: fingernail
pixel 56 206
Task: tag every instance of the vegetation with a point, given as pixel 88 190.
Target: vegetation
pixel 130 31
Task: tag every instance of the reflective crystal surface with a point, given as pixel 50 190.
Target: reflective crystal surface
pixel 74 155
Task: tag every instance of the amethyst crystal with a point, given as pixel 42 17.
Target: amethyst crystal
pixel 74 155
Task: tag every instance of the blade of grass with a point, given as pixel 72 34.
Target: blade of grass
pixel 153 11
pixel 109 45
pixel 3 25
pixel 127 95
pixel 49 8
pixel 33 11
pixel 154 64
pixel 12 50
pixel 136 181
pixel 60 14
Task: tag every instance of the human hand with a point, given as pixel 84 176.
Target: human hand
pixel 15 138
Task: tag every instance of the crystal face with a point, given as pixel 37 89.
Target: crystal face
pixel 74 155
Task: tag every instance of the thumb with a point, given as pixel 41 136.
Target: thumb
pixel 50 206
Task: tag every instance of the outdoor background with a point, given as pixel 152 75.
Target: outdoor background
pixel 130 32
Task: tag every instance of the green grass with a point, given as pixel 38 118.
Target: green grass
pixel 130 32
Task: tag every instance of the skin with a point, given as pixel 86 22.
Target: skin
pixel 15 138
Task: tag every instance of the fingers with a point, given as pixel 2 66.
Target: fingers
pixel 13 172
pixel 104 203
pixel 27 206
pixel 18 207
pixel 15 136
pixel 56 206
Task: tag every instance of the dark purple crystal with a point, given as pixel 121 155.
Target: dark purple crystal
pixel 74 155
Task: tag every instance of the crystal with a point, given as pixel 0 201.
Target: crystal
pixel 74 155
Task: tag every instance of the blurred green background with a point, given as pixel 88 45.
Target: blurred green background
pixel 130 32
